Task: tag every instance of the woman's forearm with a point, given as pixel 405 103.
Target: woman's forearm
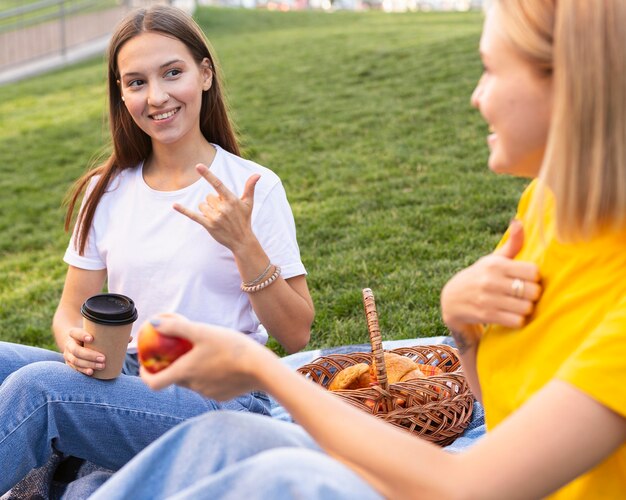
pixel 284 307
pixel 286 314
pixel 80 284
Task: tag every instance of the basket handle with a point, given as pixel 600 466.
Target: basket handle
pixel 375 338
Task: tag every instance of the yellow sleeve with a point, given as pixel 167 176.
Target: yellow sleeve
pixel 598 366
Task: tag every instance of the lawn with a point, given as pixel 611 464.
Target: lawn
pixel 366 118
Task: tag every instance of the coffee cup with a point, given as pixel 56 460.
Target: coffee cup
pixel 109 318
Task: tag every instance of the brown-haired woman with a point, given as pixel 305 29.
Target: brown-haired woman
pixel 234 262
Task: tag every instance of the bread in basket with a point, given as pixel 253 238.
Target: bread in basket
pixel 436 408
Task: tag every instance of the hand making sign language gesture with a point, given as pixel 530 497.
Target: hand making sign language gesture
pixel 228 219
pixel 224 216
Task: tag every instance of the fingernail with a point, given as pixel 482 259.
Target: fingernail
pixel 100 359
pixel 155 321
pixel 88 338
pixel 99 366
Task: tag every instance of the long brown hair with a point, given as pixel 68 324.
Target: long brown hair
pixel 131 145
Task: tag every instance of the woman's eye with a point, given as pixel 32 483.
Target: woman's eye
pixel 173 72
pixel 135 83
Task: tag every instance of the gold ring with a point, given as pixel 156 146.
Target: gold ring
pixel 518 288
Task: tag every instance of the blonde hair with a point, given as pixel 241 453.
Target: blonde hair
pixel 583 44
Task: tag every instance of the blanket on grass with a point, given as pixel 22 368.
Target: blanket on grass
pixel 63 477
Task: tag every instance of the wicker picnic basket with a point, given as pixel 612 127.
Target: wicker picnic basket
pixel 436 408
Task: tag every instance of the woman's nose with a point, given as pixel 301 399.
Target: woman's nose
pixel 157 96
pixel 475 99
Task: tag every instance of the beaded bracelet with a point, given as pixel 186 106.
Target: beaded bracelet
pixel 259 278
pixel 260 286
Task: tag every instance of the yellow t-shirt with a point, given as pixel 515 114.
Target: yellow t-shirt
pixel 577 333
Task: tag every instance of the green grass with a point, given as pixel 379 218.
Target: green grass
pixel 366 118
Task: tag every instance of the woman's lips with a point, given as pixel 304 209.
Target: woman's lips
pixel 164 116
pixel 492 137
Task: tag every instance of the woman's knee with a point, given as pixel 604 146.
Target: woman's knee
pixel 15 356
pixel 41 377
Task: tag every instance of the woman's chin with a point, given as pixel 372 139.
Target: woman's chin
pixel 513 162
pixel 497 166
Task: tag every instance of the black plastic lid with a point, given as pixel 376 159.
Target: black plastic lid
pixel 109 309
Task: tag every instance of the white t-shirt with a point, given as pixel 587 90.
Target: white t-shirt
pixel 166 262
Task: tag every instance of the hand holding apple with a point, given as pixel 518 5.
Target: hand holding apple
pixel 157 351
pixel 222 364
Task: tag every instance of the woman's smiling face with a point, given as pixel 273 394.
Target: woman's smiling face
pixel 514 98
pixel 162 86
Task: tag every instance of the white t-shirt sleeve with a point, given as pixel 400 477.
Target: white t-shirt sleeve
pixel 91 260
pixel 275 228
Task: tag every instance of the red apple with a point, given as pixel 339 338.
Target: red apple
pixel 157 351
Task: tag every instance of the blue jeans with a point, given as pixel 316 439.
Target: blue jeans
pixel 45 405
pixel 228 455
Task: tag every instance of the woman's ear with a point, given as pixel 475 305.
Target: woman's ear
pixel 119 84
pixel 207 73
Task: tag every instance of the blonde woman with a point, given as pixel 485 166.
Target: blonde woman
pixel 540 323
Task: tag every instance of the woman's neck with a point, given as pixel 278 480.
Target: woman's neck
pixel 169 168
